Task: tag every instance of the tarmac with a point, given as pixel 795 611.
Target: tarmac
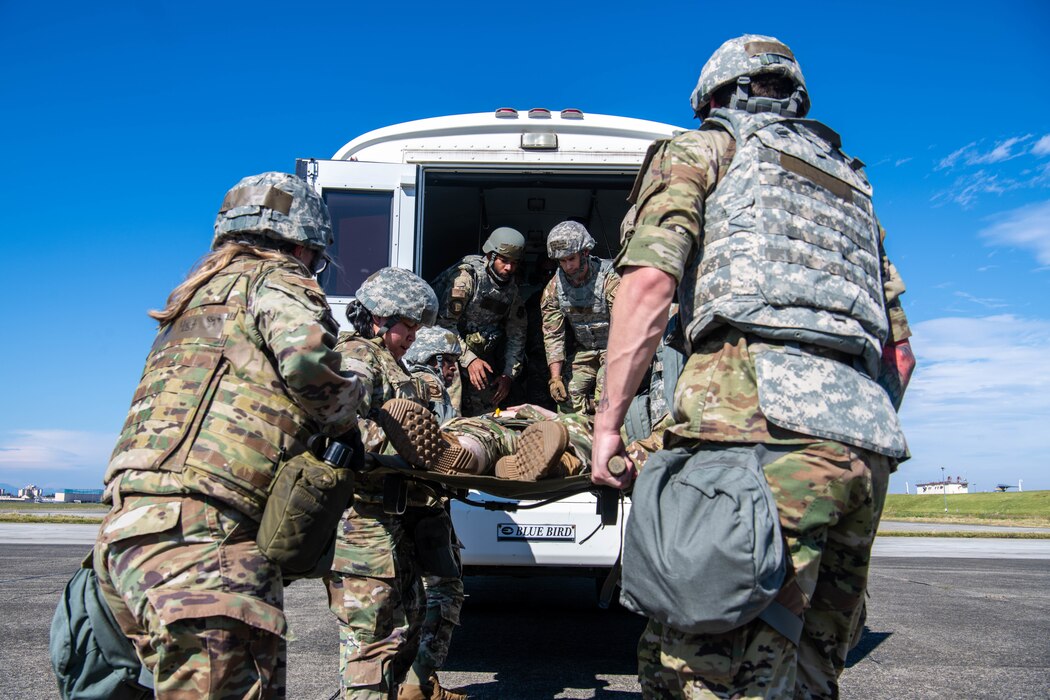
pixel 938 627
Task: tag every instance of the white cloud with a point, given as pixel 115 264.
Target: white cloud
pixel 1042 146
pixel 54 456
pixel 952 158
pixel 1025 227
pixel 971 155
pixel 902 161
pixel 1003 151
pixel 979 404
pixel 986 302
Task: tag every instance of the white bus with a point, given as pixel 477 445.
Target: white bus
pixel 422 194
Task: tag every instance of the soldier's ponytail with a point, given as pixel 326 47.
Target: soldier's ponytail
pixel 360 318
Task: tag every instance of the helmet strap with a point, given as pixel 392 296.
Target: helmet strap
pixel 743 100
pixel 384 327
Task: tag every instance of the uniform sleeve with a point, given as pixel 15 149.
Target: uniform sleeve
pixel 612 283
pixel 674 181
pixel 452 305
pixel 514 327
pixel 893 287
pixel 553 324
pixel 295 323
pixel 358 361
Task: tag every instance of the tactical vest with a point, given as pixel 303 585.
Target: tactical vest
pixel 586 307
pixel 390 380
pixel 481 324
pixel 438 399
pixel 791 245
pixel 790 254
pixel 210 406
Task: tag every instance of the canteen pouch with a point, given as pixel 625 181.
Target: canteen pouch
pixel 703 552
pixel 307 498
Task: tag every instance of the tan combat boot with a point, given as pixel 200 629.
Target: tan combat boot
pixel 414 432
pixel 540 447
pixel 432 692
pixel 568 465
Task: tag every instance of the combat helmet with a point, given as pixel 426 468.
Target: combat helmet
pixel 740 59
pixel 431 342
pixel 274 205
pixel 396 293
pixel 507 242
pixel 568 238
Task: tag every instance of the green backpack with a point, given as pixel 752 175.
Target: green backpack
pixel 90 655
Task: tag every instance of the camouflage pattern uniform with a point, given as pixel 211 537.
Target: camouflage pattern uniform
pixel 585 309
pixel 737 378
pixel 489 317
pixel 444 594
pixel 498 433
pixel 431 342
pixel 375 588
pixel 234 384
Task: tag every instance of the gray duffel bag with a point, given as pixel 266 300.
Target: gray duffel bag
pixel 703 552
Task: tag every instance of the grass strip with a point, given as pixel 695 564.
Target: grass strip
pixel 52 519
pixel 967 534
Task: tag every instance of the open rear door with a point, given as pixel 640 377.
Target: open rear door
pixel 373 208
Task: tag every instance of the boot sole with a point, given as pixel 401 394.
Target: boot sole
pixel 539 449
pixel 415 434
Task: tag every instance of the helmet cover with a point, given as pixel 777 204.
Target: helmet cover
pixel 431 342
pixel 394 292
pixel 747 55
pixel 507 242
pixel 568 238
pixel 274 205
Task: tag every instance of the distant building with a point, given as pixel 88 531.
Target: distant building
pixel 947 487
pixel 31 492
pixel 78 496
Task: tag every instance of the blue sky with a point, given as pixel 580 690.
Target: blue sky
pixel 123 124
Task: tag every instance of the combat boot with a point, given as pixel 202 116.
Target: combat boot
pixel 434 691
pixel 540 447
pixel 414 432
pixel 568 465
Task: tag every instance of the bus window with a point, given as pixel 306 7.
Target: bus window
pixel 361 224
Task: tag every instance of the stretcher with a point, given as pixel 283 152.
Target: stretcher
pixel 536 493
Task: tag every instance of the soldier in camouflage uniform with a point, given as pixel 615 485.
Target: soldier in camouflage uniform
pixel 433 360
pixel 375 588
pixel 241 374
pixel 480 302
pixel 790 316
pixel 579 296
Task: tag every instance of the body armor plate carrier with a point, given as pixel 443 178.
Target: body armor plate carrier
pixel 586 307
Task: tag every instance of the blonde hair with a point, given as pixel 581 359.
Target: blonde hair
pixel 206 268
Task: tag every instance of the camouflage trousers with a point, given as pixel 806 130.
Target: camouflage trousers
pixel 829 497
pixel 190 588
pixel 375 591
pixel 498 434
pixel 444 596
pixel 585 382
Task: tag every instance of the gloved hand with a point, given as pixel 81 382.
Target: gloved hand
pixel 557 390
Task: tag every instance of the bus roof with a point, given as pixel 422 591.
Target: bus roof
pixel 508 135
